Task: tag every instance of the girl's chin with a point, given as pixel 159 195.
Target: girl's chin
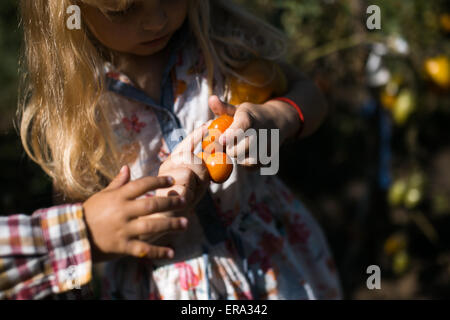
pixel 144 49
pixel 143 53
pixel 151 48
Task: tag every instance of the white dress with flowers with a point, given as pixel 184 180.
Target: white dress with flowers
pixel 250 238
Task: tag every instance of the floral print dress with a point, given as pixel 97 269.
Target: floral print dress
pixel 249 238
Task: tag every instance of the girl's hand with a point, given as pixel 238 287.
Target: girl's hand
pixel 190 175
pixel 253 116
pixel 112 214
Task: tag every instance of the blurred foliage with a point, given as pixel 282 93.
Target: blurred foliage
pixel 376 175
pixel 24 187
pixel 10 39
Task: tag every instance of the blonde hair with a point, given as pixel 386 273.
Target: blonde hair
pixel 63 126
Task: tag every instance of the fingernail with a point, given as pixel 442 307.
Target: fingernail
pixel 170 254
pixel 170 180
pixel 183 222
pixel 182 200
pixel 122 170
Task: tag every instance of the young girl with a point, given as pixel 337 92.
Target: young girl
pixel 114 93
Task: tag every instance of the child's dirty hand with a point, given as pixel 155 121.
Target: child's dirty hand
pixel 190 175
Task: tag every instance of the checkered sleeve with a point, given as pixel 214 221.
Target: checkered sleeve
pixel 45 253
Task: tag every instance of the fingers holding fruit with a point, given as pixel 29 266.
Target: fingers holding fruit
pixel 192 140
pixel 190 175
pixel 241 139
pixel 242 146
pixel 243 121
pixel 257 82
pixel 220 108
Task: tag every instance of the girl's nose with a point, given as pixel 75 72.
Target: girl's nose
pixel 154 20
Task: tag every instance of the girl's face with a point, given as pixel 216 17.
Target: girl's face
pixel 143 28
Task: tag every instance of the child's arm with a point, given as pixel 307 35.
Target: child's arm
pixel 44 253
pixel 273 114
pixel 51 251
pixel 307 96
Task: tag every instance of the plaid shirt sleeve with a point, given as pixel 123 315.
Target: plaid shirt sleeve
pixel 44 254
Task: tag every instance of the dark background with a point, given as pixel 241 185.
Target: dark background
pixel 377 173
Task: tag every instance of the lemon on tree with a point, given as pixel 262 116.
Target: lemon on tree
pixel 397 192
pixel 404 106
pixel 414 194
pixel 438 70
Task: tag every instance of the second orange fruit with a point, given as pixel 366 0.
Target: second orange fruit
pixel 217 162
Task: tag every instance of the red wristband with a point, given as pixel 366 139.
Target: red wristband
pixel 299 111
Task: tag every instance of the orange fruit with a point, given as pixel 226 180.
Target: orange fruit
pixel 215 129
pixel 214 147
pixel 261 79
pixel 212 138
pixel 221 123
pixel 217 162
pixel 219 166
